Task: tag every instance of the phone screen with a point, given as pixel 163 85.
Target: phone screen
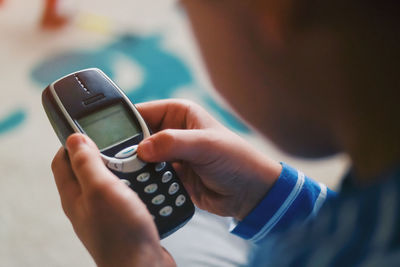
pixel 109 126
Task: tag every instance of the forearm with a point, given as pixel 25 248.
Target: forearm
pixel 144 255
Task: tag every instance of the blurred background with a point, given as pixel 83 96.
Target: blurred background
pixel 148 49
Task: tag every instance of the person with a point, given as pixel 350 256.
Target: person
pixel 54 17
pixel 317 78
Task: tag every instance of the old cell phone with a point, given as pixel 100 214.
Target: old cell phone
pixel 89 102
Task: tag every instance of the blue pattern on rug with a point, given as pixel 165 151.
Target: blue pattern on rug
pixel 164 74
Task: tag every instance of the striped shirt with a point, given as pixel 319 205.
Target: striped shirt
pixel 302 223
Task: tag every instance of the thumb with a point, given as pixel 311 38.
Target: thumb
pixel 86 162
pixel 175 145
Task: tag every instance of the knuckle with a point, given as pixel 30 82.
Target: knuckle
pixel 94 197
pixel 80 160
pixel 166 139
pixel 188 105
pixel 183 102
pixel 97 191
pixel 100 198
pixel 67 209
pixel 54 164
pixel 57 160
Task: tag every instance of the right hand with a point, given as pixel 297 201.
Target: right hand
pixel 222 173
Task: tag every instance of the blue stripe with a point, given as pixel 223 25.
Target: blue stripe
pixel 302 207
pixel 282 210
pixel 320 200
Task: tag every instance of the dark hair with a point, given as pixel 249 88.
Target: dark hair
pixel 345 13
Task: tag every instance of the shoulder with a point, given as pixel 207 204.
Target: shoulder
pixel 356 228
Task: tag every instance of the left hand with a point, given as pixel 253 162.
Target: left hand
pixel 108 217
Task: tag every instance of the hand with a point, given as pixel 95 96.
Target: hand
pixel 222 173
pixel 108 217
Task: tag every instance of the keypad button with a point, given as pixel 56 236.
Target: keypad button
pixel 166 211
pixel 180 200
pixel 143 177
pixel 126 182
pixel 173 188
pixel 167 176
pixel 158 200
pixel 151 188
pixel 160 166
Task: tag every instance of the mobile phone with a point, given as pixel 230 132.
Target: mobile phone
pixel 89 102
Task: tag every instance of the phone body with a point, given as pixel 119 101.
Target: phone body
pixel 89 102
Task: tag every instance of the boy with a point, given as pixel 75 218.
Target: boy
pixel 317 78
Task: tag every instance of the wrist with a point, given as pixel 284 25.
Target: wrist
pixel 258 187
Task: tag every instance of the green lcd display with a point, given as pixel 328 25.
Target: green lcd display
pixel 109 126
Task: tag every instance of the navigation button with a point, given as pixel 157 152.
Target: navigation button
pixel 127 152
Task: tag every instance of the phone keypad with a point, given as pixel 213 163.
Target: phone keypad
pixel 127 152
pixel 159 187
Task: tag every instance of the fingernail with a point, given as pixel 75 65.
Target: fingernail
pixel 147 149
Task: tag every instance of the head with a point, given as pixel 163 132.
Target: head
pixel 301 72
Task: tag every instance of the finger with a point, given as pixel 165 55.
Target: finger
pixel 87 164
pixel 168 260
pixel 67 185
pixel 163 114
pixel 174 145
pixel 186 175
